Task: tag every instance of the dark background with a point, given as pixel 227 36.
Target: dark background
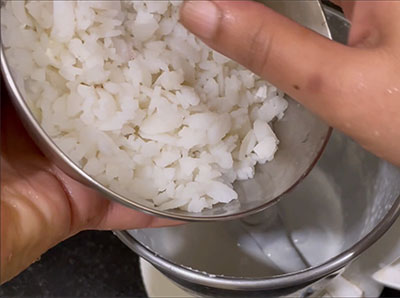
pixel 90 264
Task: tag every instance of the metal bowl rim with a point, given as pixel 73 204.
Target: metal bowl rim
pixel 276 282
pixel 25 112
pixel 292 279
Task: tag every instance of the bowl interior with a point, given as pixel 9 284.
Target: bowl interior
pixel 347 201
pixel 344 198
pixel 302 138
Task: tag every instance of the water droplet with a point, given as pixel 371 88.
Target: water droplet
pixel 393 90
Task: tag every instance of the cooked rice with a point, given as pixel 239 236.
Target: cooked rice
pixel 138 102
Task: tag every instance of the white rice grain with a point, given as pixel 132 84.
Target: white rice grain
pixel 138 102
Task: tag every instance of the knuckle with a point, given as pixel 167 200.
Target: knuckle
pixel 259 49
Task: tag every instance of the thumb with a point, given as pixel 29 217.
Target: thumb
pixel 297 60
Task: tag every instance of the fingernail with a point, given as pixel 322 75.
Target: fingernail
pixel 201 17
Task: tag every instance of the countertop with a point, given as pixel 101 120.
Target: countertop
pixel 90 264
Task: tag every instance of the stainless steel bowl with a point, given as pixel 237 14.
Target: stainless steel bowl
pixel 345 204
pixel 302 139
pixel 294 248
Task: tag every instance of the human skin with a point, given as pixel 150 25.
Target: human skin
pixel 41 206
pixel 354 88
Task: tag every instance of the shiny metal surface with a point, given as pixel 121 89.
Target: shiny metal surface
pixel 347 202
pixel 302 135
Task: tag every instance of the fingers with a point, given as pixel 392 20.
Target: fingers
pixel 344 85
pixel 119 217
pixel 317 72
pixel 89 210
pixel 293 58
pixel 374 23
